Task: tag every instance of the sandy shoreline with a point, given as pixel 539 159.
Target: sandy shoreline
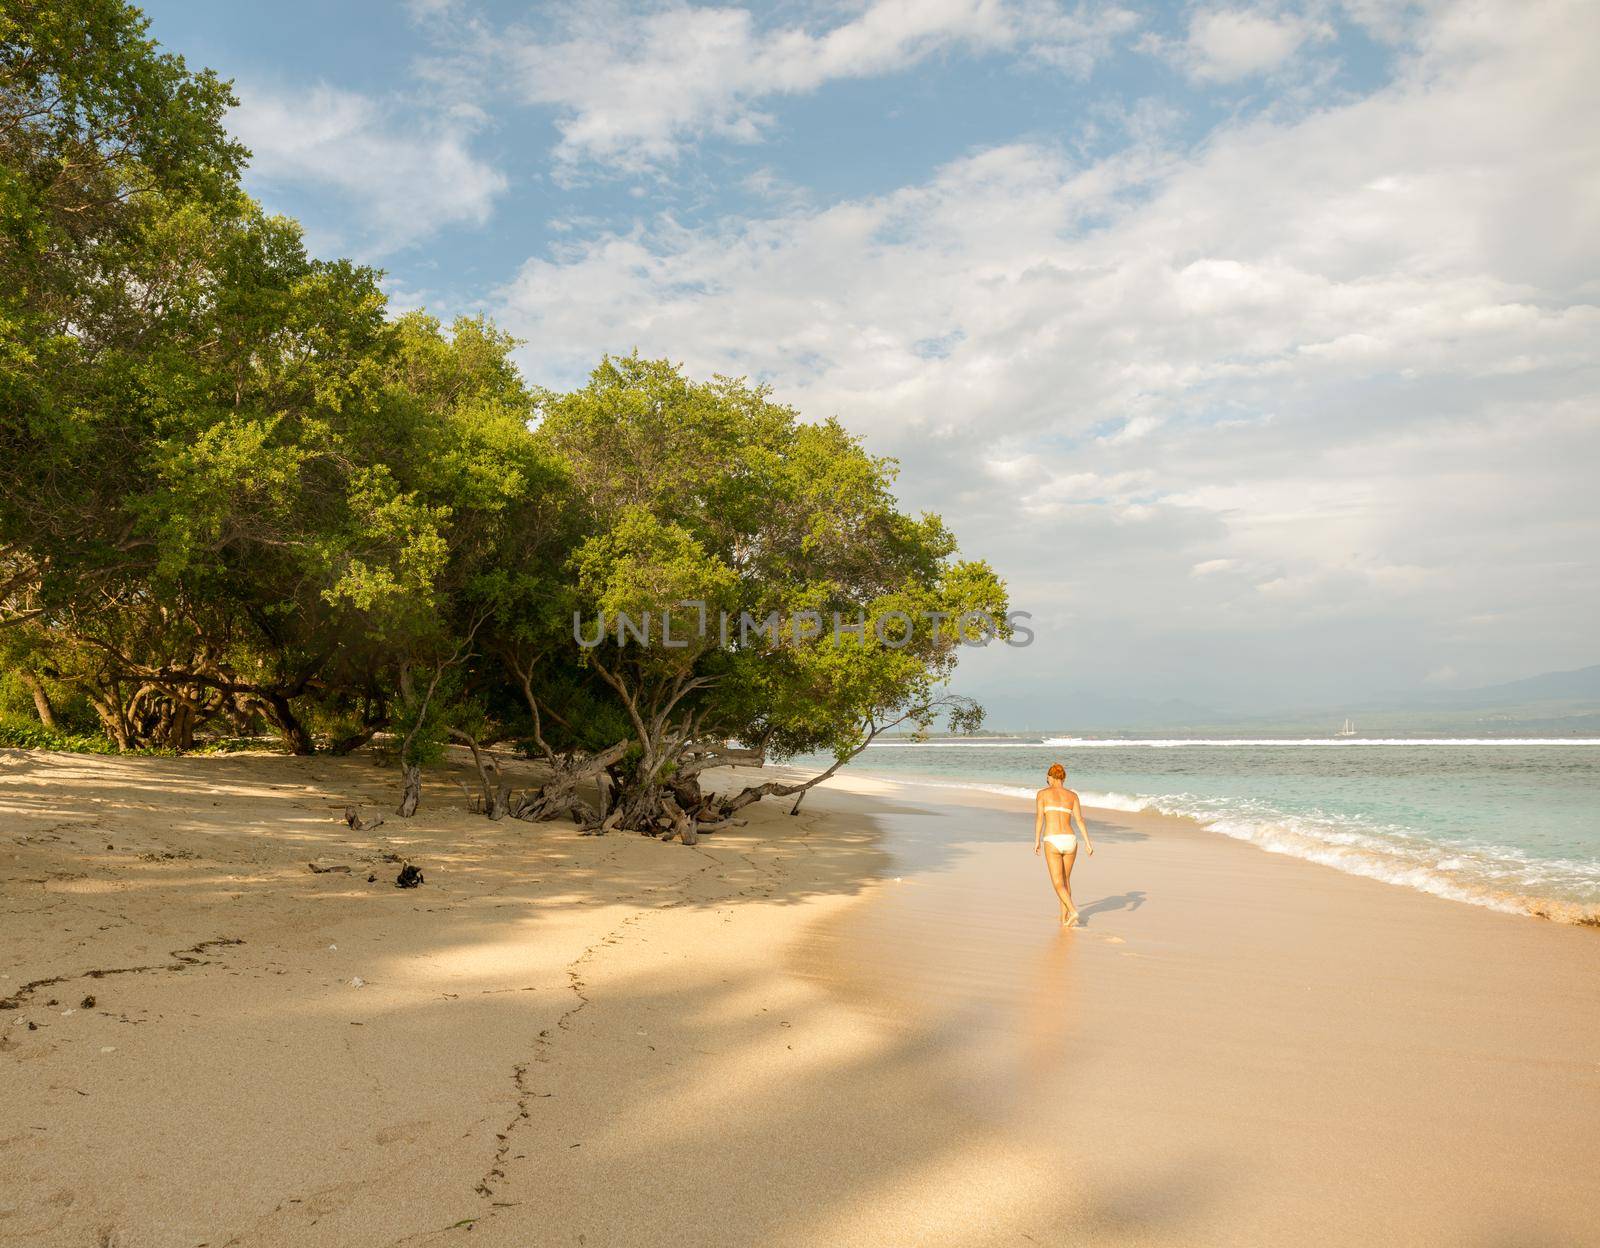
pixel 858 1025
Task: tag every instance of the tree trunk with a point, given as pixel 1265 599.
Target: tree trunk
pixel 41 699
pixel 638 805
pixel 559 794
pixel 240 715
pixel 290 728
pixel 687 793
pixel 374 718
pixel 410 789
pixel 180 732
pixel 496 792
pixel 107 703
pixel 351 743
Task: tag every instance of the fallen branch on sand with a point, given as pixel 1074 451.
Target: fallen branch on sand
pixel 358 823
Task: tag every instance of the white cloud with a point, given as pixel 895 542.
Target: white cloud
pixel 632 88
pixel 1391 21
pixel 1351 360
pixel 1226 45
pixel 1210 567
pixel 407 178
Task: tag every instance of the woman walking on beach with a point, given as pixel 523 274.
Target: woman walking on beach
pixel 1055 807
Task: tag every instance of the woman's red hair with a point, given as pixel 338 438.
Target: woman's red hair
pixel 1056 772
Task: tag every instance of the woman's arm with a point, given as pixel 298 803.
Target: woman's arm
pixel 1083 828
pixel 1038 824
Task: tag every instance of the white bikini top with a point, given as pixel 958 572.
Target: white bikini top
pixel 1065 810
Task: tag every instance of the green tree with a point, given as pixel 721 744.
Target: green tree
pixel 234 490
pixel 99 131
pixel 712 493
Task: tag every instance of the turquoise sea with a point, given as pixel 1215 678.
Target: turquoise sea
pixel 1512 823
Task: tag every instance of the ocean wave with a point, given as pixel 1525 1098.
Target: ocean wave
pixel 1498 877
pixel 1494 876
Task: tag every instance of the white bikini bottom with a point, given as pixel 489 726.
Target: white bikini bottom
pixel 1062 842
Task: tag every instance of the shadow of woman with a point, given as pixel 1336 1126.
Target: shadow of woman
pixel 1131 900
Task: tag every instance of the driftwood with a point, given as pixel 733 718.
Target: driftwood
pixel 353 817
pixel 678 823
pixel 559 795
pixel 702 826
pixel 680 813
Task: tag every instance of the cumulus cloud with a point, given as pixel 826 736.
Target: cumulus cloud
pixel 1225 45
pixel 1330 380
pixel 632 88
pixel 405 177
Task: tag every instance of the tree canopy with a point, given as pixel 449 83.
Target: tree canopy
pixel 237 492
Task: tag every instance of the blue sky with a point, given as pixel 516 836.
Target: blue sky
pixel 1254 343
pixel 849 137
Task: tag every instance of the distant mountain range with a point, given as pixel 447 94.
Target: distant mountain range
pixel 1549 702
pixel 1580 685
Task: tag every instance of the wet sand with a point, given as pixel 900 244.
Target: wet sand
pixel 860 1025
pixel 1239 1047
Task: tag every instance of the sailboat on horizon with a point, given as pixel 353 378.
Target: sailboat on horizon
pixel 1349 730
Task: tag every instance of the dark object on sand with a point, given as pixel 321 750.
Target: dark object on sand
pixel 88 1003
pixel 409 877
pixel 324 870
pixel 352 816
pixel 372 879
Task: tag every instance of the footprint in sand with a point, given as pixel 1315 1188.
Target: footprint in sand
pixel 401 1133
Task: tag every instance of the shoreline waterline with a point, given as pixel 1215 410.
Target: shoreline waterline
pixel 1464 868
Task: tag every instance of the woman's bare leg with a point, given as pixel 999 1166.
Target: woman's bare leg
pixel 1060 868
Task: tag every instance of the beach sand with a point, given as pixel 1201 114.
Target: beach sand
pixel 858 1025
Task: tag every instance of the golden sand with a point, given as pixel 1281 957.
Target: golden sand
pixel 859 1025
